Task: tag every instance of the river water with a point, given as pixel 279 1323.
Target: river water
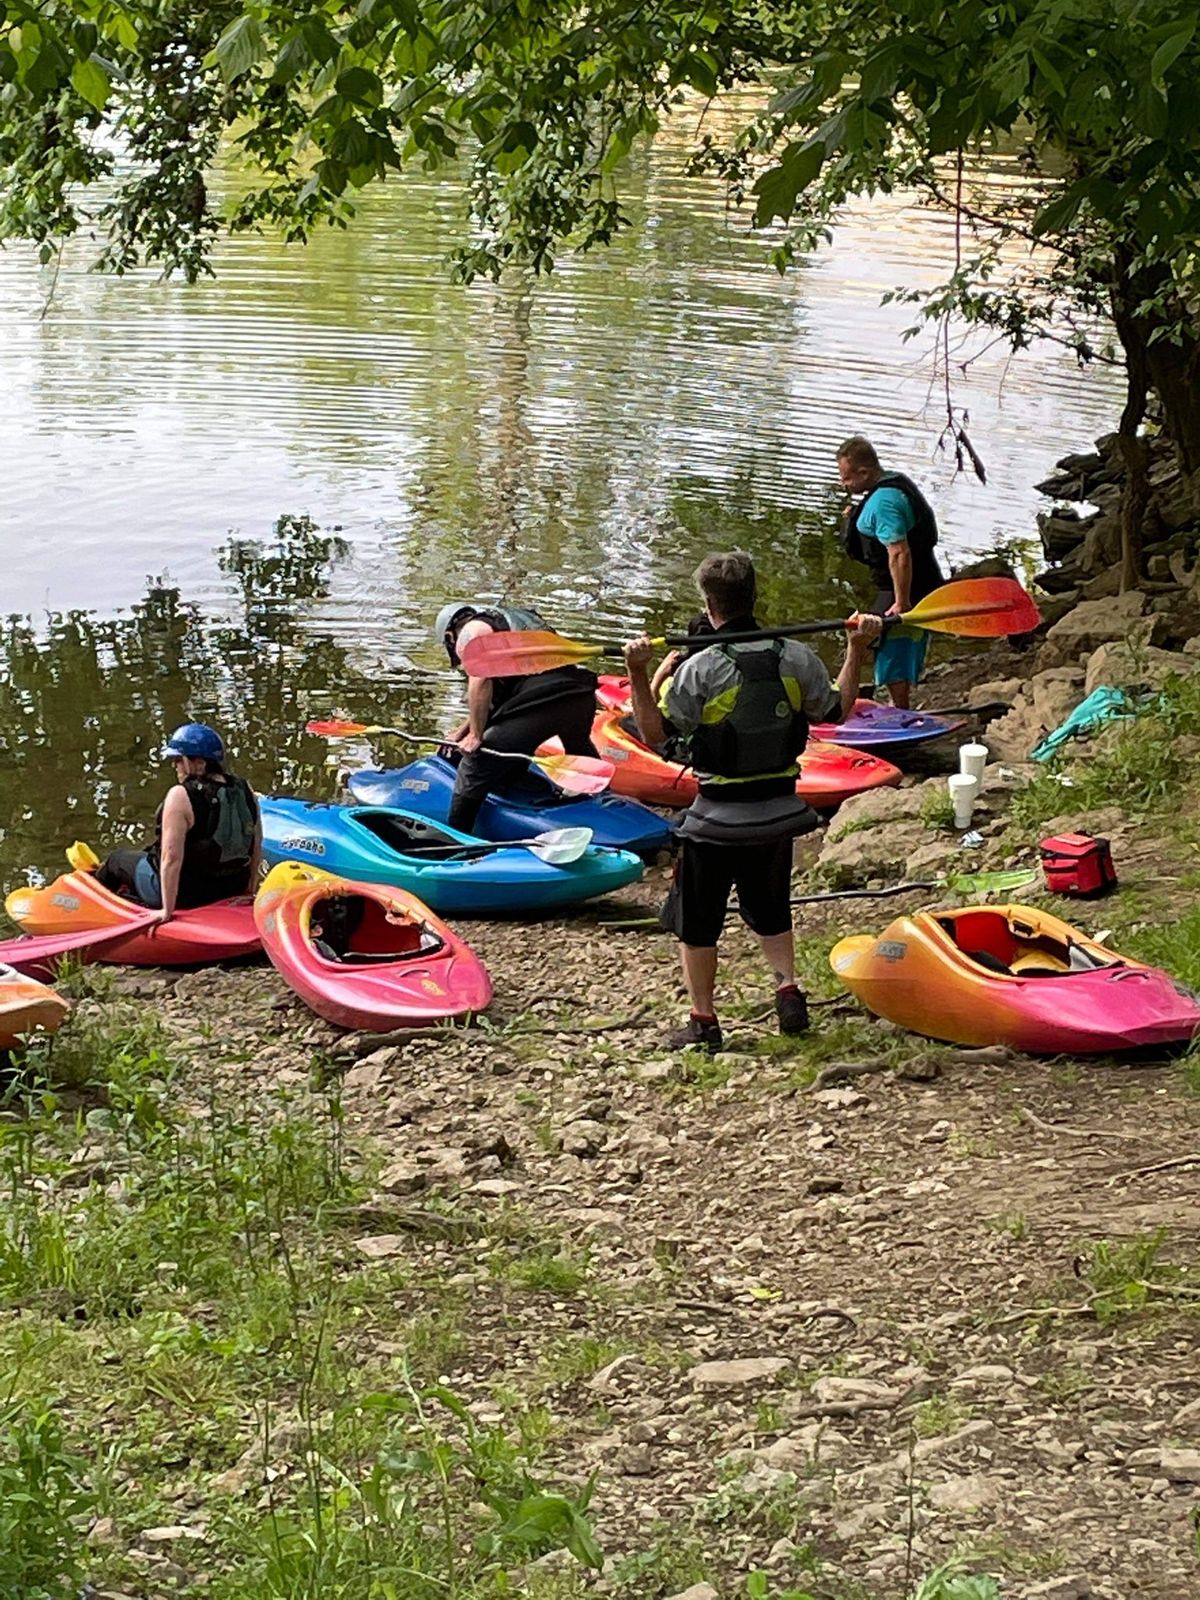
pixel 577 442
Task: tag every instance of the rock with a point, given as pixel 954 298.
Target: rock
pixel 635 1461
pixel 1061 531
pixel 985 567
pixel 403 1177
pixel 975 1492
pixel 1103 585
pixel 825 1186
pixel 737 1374
pixel 938 1133
pixel 584 1138
pixel 602 1380
pixel 169 1535
pixel 1092 623
pixel 102 1532
pixel 1119 666
pixel 444 1164
pixel 1187 1413
pixel 366 1075
pixel 840 1099
pixel 1005 689
pixel 1101 543
pixel 1012 736
pixel 495 1188
pixel 1056 692
pixel 835 1388
pixel 379 1246
pixel 698 1591
pixel 1181 1466
pixel 987 1373
pixel 1063 1588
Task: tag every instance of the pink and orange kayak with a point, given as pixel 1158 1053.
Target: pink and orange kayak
pixel 70 912
pixel 1015 976
pixel 365 956
pixel 26 1007
pixel 828 774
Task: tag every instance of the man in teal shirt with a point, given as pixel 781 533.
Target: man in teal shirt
pixel 892 530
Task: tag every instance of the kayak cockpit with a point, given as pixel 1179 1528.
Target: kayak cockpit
pixel 1009 946
pixel 407 835
pixel 358 930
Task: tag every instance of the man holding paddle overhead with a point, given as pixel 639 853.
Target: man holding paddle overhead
pixel 892 530
pixel 743 710
pixel 510 715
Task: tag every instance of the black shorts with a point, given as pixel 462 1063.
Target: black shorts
pixel 705 874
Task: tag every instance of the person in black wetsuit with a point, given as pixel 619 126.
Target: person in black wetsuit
pixel 208 837
pixel 509 714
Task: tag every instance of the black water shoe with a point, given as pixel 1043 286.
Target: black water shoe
pixel 791 1007
pixel 700 1033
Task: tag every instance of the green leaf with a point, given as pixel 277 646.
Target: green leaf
pixel 238 48
pixel 91 82
pixel 1048 70
pixel 359 85
pixel 1170 49
pixel 777 188
pixel 1058 214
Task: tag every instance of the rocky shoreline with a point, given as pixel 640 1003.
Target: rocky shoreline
pixel 816 1319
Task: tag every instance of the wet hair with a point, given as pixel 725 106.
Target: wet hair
pixel 727 583
pixel 859 452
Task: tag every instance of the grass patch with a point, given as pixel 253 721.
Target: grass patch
pixel 940 1414
pixel 1136 764
pixel 179 1273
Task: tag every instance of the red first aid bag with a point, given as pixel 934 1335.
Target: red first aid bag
pixel 1078 863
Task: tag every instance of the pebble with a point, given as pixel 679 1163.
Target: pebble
pixel 1181 1466
pixel 698 1591
pixel 840 1099
pixel 975 1492
pixel 735 1374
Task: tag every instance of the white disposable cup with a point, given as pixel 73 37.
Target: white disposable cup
pixel 963 790
pixel 972 758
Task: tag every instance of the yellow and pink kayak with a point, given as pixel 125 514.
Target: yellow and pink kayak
pixel 365 956
pixel 1015 976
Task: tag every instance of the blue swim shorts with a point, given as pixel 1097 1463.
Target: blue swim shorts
pixel 901 656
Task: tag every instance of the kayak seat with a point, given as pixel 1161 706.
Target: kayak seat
pixel 405 834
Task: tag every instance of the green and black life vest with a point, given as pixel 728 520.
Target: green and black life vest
pixel 922 537
pixel 219 846
pixel 751 730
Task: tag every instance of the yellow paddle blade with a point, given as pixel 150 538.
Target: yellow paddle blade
pixel 82 857
pixel 976 608
pixel 576 774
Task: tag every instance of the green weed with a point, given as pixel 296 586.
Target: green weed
pixel 940 1414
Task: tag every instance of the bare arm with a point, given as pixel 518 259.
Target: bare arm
pixel 664 670
pixel 479 692
pixel 177 818
pixel 645 707
pixel 900 566
pixel 859 638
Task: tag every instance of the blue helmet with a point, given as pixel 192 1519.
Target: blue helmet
pixel 195 740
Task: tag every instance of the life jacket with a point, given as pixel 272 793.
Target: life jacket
pixel 219 846
pixel 761 733
pixel 922 537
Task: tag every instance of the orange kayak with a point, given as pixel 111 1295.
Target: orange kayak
pixel 77 904
pixel 1016 976
pixel 27 1006
pixel 364 956
pixel 829 773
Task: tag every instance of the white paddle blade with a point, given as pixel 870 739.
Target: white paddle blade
pixel 559 846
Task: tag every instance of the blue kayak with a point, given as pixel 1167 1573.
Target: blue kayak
pixel 442 867
pixel 534 807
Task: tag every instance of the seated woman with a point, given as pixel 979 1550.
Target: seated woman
pixel 209 835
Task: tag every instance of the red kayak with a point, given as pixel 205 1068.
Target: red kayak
pixel 77 914
pixel 828 773
pixel 364 956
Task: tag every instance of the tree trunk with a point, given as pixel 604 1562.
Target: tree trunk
pixel 1135 494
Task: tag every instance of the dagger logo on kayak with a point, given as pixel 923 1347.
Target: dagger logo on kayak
pixel 313 847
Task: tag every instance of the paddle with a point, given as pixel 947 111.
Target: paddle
pixel 956 882
pixel 582 775
pixel 558 846
pixel 971 608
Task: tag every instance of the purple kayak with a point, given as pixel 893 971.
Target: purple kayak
pixel 871 724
